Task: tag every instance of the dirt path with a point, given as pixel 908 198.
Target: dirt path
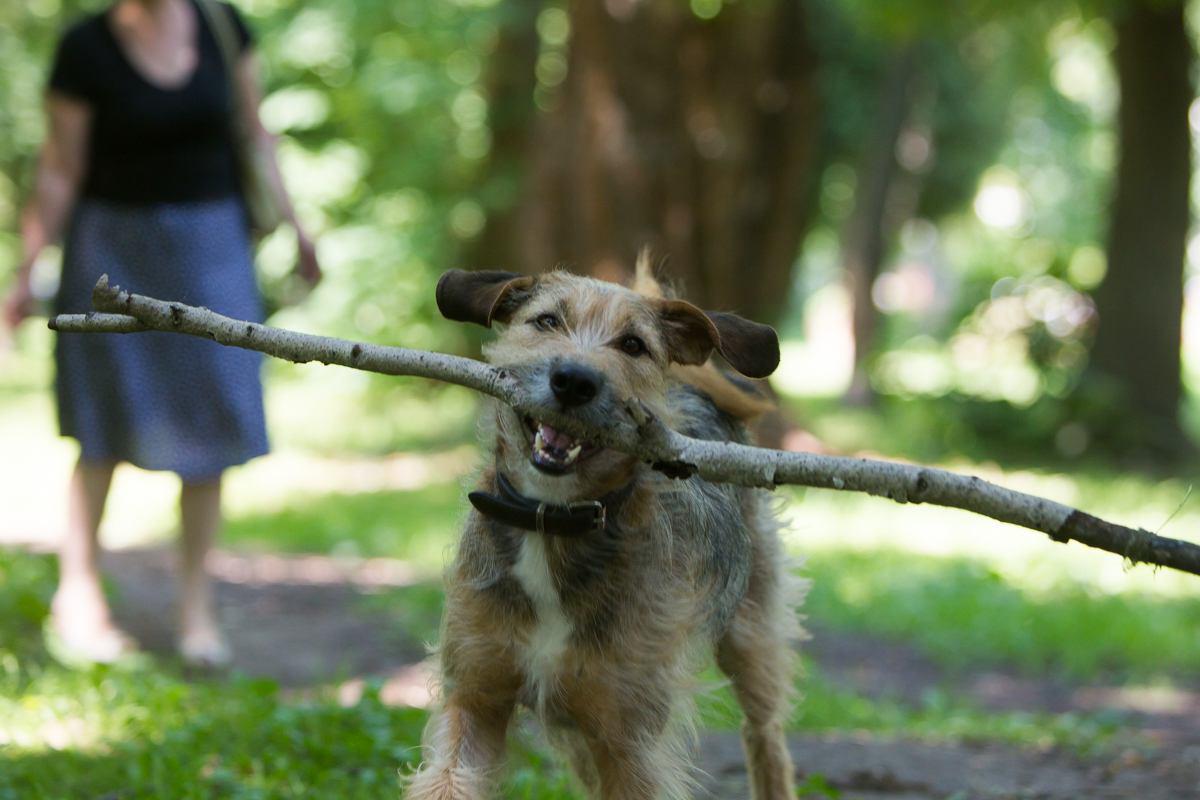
pixel 304 622
pixel 879 769
pixel 299 620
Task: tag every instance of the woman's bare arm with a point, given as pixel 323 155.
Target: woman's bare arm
pixel 249 95
pixel 61 167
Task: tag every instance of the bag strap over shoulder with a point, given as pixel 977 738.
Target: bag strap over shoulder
pixel 220 22
pixel 263 205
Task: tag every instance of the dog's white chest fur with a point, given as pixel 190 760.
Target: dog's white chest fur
pixel 543 653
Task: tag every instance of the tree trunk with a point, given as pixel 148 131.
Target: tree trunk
pixel 511 113
pixel 865 240
pixel 697 137
pixel 1137 347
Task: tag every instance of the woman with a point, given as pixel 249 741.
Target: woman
pixel 139 172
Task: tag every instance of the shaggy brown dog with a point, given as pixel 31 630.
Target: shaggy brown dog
pixel 589 587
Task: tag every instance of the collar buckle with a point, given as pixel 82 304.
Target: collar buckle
pixel 599 513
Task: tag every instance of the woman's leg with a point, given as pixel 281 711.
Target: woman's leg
pixel 80 612
pixel 200 639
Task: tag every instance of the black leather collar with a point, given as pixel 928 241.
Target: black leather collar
pixel 573 519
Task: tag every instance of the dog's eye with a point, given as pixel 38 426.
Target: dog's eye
pixel 545 322
pixel 633 346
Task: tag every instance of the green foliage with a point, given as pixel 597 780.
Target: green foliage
pixel 28 32
pixel 25 583
pixel 996 223
pixel 815 785
pixel 1053 430
pixel 387 127
pixel 383 131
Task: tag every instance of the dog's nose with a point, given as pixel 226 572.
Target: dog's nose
pixel 574 384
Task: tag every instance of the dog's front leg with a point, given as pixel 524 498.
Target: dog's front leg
pixel 626 727
pixel 464 744
pixel 464 739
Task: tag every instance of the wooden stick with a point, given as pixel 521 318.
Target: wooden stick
pixel 644 435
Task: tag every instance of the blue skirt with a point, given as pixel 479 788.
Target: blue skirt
pixel 161 401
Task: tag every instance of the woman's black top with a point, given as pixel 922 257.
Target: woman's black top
pixel 149 144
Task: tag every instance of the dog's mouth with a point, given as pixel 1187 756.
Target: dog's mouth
pixel 555 452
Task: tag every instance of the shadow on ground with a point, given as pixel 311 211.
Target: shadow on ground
pixel 299 620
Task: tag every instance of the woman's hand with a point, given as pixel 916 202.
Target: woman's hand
pixel 307 265
pixel 248 96
pixel 18 304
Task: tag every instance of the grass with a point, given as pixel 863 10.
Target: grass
pixel 963 612
pixel 938 716
pixel 414 525
pixel 145 731
pixel 155 735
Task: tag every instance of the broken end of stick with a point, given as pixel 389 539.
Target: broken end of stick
pixel 104 296
pixel 95 322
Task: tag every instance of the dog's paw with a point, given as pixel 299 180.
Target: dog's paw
pixel 447 783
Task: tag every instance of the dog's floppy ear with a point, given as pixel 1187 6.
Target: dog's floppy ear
pixel 750 348
pixel 482 297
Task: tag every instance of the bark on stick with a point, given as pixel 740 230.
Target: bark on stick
pixel 644 435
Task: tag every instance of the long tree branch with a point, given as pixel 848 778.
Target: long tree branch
pixel 644 435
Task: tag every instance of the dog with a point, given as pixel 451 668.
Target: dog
pixel 587 586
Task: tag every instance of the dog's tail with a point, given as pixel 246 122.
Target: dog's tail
pixel 645 282
pixel 739 397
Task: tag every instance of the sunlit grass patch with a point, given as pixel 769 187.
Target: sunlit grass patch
pixel 939 715
pixel 161 737
pixel 964 612
pixel 417 525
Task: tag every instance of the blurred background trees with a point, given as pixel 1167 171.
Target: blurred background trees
pixel 693 132
pixel 978 222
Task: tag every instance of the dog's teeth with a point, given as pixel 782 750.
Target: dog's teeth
pixel 573 453
pixel 538 442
